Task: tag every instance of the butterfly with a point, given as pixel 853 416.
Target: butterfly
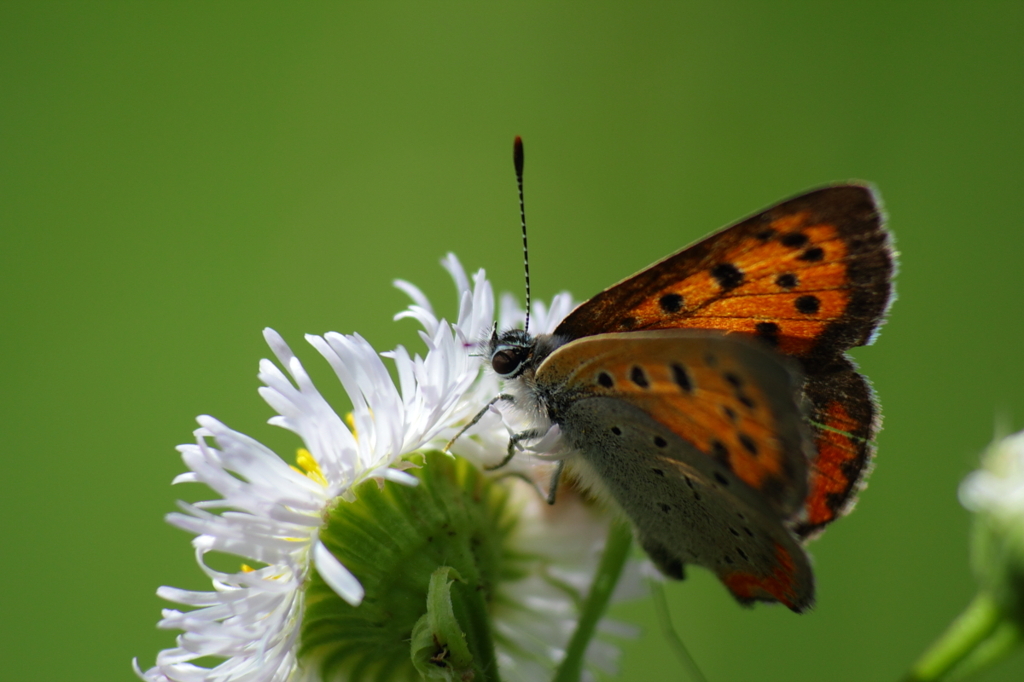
pixel 710 395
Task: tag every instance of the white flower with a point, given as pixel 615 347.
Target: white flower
pixel 998 488
pixel 272 514
pixel 995 493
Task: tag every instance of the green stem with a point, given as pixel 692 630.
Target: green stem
pixel 470 610
pixel 616 551
pixel 965 634
pixel 669 631
pixel 1003 640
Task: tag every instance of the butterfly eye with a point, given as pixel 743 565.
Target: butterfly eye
pixel 506 361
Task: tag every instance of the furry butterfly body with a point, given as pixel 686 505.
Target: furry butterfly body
pixel 710 395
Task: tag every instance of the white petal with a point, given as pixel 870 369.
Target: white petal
pixel 454 267
pixel 414 292
pixel 399 477
pixel 344 584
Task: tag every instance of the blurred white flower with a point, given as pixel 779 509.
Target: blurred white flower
pixel 995 493
pixel 991 625
pixel 998 487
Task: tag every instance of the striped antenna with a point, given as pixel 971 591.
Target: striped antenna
pixel 517 159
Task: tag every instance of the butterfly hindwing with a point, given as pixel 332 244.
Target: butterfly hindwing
pixel 810 276
pixel 845 418
pixel 687 508
pixel 735 402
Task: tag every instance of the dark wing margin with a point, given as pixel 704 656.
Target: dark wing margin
pixel 857 212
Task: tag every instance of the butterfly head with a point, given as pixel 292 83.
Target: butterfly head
pixel 511 352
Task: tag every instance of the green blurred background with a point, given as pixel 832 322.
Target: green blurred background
pixel 175 177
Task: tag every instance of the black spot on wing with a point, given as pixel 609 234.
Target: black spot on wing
pixel 682 378
pixel 808 305
pixel 696 495
pixel 719 451
pixel 794 239
pixel 812 255
pixel 787 280
pixel 671 303
pixel 727 275
pixel 748 443
pixel 768 332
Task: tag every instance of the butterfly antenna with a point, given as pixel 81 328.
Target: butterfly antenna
pixel 517 159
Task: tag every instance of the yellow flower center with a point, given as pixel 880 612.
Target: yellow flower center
pixel 307 465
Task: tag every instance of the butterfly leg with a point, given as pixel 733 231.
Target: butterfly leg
pixel 526 479
pixel 553 486
pixel 548 497
pixel 512 443
pixel 478 417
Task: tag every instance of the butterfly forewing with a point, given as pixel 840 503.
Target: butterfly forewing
pixel 734 401
pixel 809 276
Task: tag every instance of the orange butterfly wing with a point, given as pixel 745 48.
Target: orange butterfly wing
pixel 811 277
pixel 665 422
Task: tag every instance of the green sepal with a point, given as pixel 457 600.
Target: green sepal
pixel 439 649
